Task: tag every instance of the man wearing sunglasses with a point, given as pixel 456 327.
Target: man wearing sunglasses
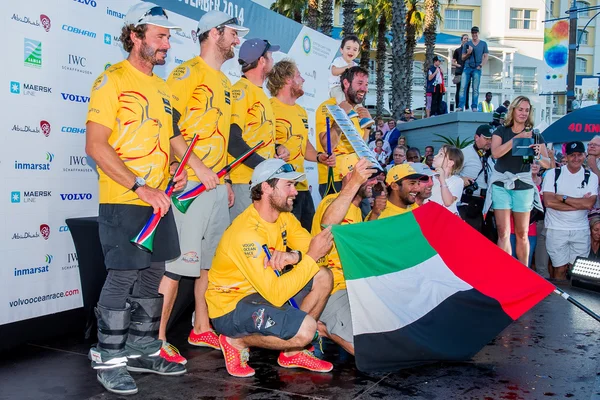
pixel 247 301
pixel 129 133
pixel 252 119
pixel 202 106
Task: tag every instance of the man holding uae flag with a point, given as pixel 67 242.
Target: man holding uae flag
pixel 429 298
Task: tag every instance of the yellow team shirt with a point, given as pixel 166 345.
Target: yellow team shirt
pixel 203 97
pixel 353 216
pixel 391 210
pixel 137 108
pixel 343 147
pixel 291 130
pixel 253 113
pixel 238 266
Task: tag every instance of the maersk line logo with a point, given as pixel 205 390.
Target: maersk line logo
pixel 32 53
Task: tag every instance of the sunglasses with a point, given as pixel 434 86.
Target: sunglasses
pixel 285 168
pixel 232 21
pixel 154 12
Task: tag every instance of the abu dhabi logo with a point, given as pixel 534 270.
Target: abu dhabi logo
pixel 45 231
pixel 32 53
pixel 45 126
pixel 306 44
pixel 194 36
pixel 44 21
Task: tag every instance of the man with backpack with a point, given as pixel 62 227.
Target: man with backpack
pixel 569 193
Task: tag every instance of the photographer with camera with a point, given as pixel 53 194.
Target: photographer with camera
pixel 476 173
pixel 512 190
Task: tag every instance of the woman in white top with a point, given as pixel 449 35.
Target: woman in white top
pixel 447 185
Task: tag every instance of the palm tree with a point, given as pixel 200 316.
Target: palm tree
pixel 432 12
pixel 383 26
pixel 349 12
pixel 398 54
pixel 414 29
pixel 293 9
pixel 326 17
pixel 312 20
pixel 366 26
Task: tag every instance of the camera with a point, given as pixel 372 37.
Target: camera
pixel 469 190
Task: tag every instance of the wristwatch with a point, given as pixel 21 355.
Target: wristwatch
pixel 299 255
pixel 139 182
pixel 564 200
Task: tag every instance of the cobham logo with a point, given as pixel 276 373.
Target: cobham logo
pixel 45 126
pixel 45 22
pixel 45 231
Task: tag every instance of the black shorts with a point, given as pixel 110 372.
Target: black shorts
pixel 253 315
pixel 304 209
pixel 119 223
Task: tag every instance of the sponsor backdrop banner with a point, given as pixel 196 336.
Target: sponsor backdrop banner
pixel 55 51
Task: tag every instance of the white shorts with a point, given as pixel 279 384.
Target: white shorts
pixel 565 246
pixel 338 93
pixel 200 230
pixel 336 316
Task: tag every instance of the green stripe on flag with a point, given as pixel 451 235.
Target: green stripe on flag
pixel 381 247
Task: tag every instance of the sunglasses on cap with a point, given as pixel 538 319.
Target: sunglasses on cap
pixel 232 21
pixel 285 168
pixel 155 12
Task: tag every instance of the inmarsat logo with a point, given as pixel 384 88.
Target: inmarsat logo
pixel 35 270
pixel 36 166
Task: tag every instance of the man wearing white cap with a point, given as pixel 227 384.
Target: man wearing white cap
pixel 247 301
pixel 202 106
pixel 129 132
pixel 252 119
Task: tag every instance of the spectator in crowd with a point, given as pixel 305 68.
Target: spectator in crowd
pixel 443 108
pixel 413 155
pixel 402 141
pixel 380 154
pixel 285 83
pixel 435 88
pixel 391 126
pixel 398 156
pixel 458 65
pixel 252 119
pixel 394 135
pixel 569 193
pixel 425 191
pixel 429 161
pixel 382 126
pixel 498 118
pixel 503 108
pixel 386 145
pixel 594 253
pixel 512 189
pixel 240 263
pixel 429 151
pixel 475 55
pixel 407 116
pixel 448 186
pixel 486 105
pixel 532 233
pixel 593 159
pixel 476 173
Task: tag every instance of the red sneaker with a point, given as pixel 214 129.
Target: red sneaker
pixel 204 339
pixel 236 361
pixel 171 354
pixel 304 359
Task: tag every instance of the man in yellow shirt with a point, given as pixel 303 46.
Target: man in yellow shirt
pixel 403 186
pixel 252 119
pixel 291 124
pixel 355 85
pixel 202 106
pixel 129 131
pixel 342 208
pixel 247 301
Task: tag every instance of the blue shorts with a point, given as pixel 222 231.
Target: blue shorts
pixel 515 200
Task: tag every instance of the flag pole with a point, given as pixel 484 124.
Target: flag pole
pixel 577 304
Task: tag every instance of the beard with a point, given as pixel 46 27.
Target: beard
pixel 297 91
pixel 279 205
pixel 226 51
pixel 353 96
pixel 149 54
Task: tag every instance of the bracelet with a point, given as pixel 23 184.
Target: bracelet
pixel 444 186
pixel 228 181
pixel 318 154
pixel 299 255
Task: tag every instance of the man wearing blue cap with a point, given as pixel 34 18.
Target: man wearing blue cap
pixel 252 119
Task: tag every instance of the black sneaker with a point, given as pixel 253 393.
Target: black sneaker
pixel 117 380
pixel 154 364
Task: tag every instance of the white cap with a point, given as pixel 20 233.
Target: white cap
pixel 275 168
pixel 213 19
pixel 149 13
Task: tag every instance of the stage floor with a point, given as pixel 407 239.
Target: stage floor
pixel 552 352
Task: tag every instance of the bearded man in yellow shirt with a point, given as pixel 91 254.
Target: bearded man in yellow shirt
pixel 246 299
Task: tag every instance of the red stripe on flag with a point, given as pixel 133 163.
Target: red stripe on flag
pixel 480 263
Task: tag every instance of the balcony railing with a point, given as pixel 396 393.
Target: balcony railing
pixel 559 110
pixel 525 86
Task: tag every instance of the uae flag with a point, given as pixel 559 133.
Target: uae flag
pixel 424 287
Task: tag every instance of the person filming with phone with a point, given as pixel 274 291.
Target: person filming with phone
pixel 512 191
